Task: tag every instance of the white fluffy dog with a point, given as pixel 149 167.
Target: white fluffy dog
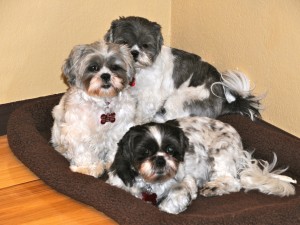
pixel 97 109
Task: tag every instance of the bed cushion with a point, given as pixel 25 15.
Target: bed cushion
pixel 28 133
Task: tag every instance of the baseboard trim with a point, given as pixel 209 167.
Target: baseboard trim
pixel 8 108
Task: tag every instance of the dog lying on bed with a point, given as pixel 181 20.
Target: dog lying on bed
pixel 97 110
pixel 167 163
pixel 171 83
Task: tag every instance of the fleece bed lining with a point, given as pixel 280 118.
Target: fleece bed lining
pixel 29 131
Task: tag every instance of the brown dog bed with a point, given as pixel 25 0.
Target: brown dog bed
pixel 29 134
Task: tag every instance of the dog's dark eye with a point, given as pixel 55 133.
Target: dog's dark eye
pixel 146 152
pixel 145 46
pixel 94 68
pixel 123 42
pixel 169 150
pixel 142 154
pixel 115 67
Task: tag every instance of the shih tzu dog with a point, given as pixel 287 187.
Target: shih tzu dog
pixel 97 110
pixel 171 83
pixel 166 164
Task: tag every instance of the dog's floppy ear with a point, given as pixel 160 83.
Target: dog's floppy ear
pixel 69 68
pixel 184 142
pixel 183 139
pixel 123 159
pixel 109 36
pixel 159 37
pixel 129 61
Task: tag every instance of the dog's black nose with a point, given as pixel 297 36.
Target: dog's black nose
pixel 105 76
pixel 134 53
pixel 160 161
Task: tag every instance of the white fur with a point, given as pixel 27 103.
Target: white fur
pixel 175 102
pixel 154 84
pixel 265 180
pixel 156 134
pixel 78 134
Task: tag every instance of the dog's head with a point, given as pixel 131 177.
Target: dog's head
pixel 153 151
pixel 101 69
pixel 142 36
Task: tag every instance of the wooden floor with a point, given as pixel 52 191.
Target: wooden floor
pixel 25 199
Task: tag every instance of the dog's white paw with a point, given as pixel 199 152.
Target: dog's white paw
pixel 95 170
pixel 176 201
pixel 213 189
pixel 221 186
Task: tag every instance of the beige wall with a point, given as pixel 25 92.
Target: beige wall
pixel 37 35
pixel 258 37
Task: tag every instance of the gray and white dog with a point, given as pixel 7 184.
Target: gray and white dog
pixel 97 110
pixel 172 83
pixel 170 161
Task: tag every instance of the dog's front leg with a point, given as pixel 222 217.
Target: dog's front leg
pixel 180 196
pixel 173 107
pixel 86 161
pixel 95 170
pixel 144 113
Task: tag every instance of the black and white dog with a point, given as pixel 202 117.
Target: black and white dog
pixel 172 83
pixel 170 161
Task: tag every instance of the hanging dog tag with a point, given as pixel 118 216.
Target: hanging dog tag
pixel 109 117
pixel 149 197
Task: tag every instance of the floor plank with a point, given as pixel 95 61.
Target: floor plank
pixel 35 203
pixel 12 171
pixel 25 199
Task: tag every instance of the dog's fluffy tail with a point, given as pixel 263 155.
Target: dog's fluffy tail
pixel 239 96
pixel 259 175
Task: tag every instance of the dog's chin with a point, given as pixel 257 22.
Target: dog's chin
pixel 142 65
pixel 143 61
pixel 158 177
pixel 106 91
